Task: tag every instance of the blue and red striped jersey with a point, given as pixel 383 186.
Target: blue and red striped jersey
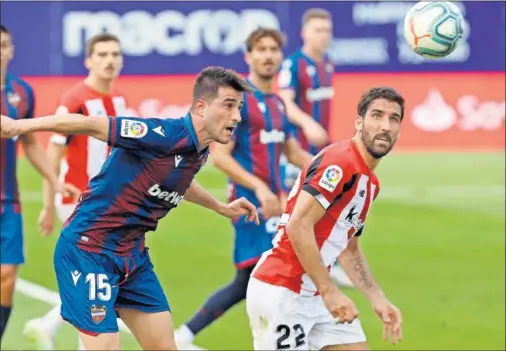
pixel 259 141
pixel 312 83
pixel 152 164
pixel 18 102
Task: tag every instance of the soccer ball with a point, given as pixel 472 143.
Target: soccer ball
pixel 433 29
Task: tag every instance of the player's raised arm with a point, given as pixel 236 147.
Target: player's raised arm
pixel 97 127
pixel 296 154
pixel 234 210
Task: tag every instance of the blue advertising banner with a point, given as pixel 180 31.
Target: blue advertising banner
pixel 183 37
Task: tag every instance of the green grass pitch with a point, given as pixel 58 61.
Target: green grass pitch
pixel 435 241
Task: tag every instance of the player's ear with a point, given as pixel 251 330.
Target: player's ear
pixel 358 123
pixel 12 52
pixel 199 106
pixel 87 63
pixel 247 58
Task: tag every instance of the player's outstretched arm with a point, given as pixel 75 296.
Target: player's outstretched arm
pixel 47 217
pixel 296 154
pixel 97 127
pixel 238 208
pixel 353 261
pixel 38 158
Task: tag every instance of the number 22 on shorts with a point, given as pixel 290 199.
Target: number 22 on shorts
pixel 98 286
pixel 284 332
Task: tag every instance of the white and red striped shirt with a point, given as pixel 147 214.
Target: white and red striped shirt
pixel 343 184
pixel 85 155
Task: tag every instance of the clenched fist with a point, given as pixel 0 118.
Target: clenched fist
pixel 339 305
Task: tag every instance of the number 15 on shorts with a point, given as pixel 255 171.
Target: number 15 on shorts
pixel 98 287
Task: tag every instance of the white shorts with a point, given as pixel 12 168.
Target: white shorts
pixel 282 319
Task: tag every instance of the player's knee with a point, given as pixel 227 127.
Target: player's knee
pixel 240 284
pixel 165 344
pixel 105 341
pixel 8 279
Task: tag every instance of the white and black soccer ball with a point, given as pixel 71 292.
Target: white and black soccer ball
pixel 434 29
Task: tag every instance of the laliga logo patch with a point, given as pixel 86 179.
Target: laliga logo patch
pixel 331 177
pixel 133 129
pixel 98 313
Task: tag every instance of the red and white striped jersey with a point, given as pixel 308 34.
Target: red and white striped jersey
pixel 343 184
pixel 85 155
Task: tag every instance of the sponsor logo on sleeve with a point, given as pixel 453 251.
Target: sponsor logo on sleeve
pixel 331 178
pixel 133 129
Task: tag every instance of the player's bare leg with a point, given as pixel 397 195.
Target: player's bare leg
pixel 105 341
pixel 8 280
pixel 153 331
pixel 355 346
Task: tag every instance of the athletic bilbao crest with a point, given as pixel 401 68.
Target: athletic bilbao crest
pixel 98 313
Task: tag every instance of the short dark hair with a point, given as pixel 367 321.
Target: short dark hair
pixel 372 94
pixel 210 79
pixel 262 32
pixel 3 29
pixel 309 14
pixel 99 38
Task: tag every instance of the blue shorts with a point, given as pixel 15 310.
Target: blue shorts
pixel 252 240
pixel 93 285
pixel 11 235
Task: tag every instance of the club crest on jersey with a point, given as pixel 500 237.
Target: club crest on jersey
pixel 98 313
pixel 331 178
pixel 133 129
pixel 14 99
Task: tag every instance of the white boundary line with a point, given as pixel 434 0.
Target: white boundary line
pixel 390 192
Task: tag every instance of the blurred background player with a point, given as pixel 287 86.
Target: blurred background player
pixel 292 302
pixel 252 163
pixel 151 168
pixel 81 157
pixel 305 83
pixel 18 102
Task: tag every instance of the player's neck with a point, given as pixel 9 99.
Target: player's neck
pixel 101 85
pixel 203 138
pixel 370 161
pixel 312 54
pixel 264 85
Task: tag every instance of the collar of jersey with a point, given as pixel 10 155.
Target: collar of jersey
pixel 191 130
pixel 7 86
pixel 255 89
